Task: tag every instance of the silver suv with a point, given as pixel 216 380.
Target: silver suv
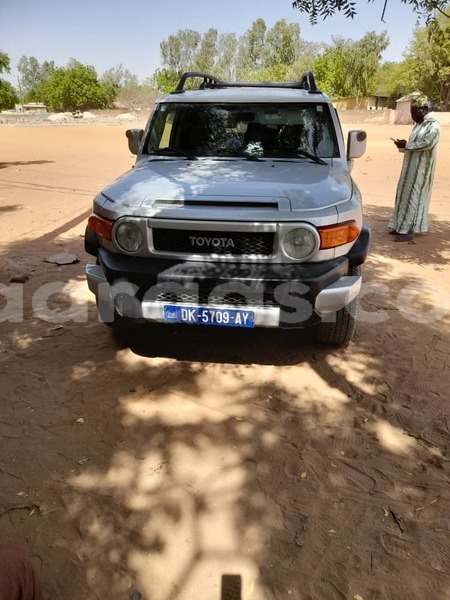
pixel 240 211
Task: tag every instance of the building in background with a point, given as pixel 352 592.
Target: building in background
pixel 363 103
pixel 36 108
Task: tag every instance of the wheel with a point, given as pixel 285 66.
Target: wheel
pixel 337 329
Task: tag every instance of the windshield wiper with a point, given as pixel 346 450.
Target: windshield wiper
pixel 168 151
pixel 239 153
pixel 301 154
pixel 313 157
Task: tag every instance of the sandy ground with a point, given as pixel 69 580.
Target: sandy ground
pixel 220 465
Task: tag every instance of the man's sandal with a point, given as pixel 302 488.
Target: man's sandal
pixel 404 237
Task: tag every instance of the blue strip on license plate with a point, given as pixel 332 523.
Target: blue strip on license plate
pixel 199 315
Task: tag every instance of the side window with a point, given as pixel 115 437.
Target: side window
pixel 166 135
pixel 161 128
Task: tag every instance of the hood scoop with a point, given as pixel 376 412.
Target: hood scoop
pixel 161 203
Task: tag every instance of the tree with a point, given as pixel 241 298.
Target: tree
pixel 76 87
pixel 329 69
pixel 252 53
pixel 8 95
pixel 178 51
pixel 272 54
pixel 364 61
pixel 225 66
pixel 129 92
pixel 113 79
pixel 29 71
pixel 282 43
pixel 307 55
pixel 32 77
pixel 349 68
pixel 427 9
pixel 4 63
pixel 165 80
pixel 205 56
pixel 275 54
pixel 396 79
pixel 430 53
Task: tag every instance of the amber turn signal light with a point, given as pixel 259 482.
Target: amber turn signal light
pixel 102 227
pixel 338 235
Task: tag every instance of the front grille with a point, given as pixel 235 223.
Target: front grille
pixel 205 299
pixel 225 243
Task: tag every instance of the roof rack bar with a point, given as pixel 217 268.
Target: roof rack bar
pixel 208 80
pixel 307 82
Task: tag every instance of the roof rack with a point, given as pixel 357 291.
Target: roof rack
pixel 307 82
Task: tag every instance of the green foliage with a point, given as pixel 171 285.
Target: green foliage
pixel 118 78
pixel 32 76
pixel 258 54
pixel 8 95
pixel 178 51
pixel 252 52
pixel 349 68
pixel 430 54
pixel 396 79
pixel 4 63
pixel 324 9
pixel 282 43
pixel 226 56
pixel 165 80
pixel 205 56
pixel 75 87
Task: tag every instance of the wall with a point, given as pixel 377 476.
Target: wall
pixel 361 103
pixel 383 117
pixel 403 113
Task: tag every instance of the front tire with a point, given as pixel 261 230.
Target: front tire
pixel 337 329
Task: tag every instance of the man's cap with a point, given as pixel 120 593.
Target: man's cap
pixel 421 101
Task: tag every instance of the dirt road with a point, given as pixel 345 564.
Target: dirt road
pixel 214 465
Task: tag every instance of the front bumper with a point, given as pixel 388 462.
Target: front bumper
pixel 279 295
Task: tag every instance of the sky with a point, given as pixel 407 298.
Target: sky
pixel 106 33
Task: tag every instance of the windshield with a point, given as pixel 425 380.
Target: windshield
pixel 254 131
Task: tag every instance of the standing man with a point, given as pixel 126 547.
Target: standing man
pixel 413 195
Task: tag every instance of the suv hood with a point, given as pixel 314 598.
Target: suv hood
pixel 298 185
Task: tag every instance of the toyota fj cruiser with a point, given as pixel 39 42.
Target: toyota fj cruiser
pixel 240 211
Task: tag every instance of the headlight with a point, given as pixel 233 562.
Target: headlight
pixel 300 243
pixel 129 237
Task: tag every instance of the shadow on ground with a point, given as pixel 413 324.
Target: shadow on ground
pixel 21 163
pixel 180 462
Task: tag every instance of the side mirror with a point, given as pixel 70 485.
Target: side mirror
pixel 134 139
pixel 356 144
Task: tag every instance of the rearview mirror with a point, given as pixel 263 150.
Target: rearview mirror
pixel 134 139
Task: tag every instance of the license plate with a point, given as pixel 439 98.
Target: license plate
pixel 199 315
